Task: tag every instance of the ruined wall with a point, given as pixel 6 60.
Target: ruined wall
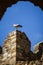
pixel 16 50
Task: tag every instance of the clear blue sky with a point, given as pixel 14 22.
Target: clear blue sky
pixel 26 14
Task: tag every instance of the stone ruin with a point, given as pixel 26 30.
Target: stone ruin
pixel 16 50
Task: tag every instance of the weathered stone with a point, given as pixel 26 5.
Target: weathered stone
pixel 0 50
pixel 38 47
pixel 17 50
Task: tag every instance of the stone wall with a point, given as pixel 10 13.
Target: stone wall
pixel 16 50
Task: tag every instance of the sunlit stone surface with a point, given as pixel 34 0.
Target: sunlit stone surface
pixel 16 50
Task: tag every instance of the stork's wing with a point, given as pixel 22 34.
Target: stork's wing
pixel 4 4
pixel 20 25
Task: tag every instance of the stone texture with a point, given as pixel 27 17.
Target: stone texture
pixel 0 50
pixel 39 50
pixel 38 47
pixel 16 50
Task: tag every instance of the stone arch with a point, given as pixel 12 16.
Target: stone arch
pixel 4 4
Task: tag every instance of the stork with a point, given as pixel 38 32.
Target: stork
pixel 17 26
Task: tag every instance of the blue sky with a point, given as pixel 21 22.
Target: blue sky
pixel 26 14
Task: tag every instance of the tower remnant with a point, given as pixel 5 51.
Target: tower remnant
pixel 16 50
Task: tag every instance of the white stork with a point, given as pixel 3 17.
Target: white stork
pixel 17 26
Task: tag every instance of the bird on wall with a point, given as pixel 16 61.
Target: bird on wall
pixel 4 4
pixel 17 26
